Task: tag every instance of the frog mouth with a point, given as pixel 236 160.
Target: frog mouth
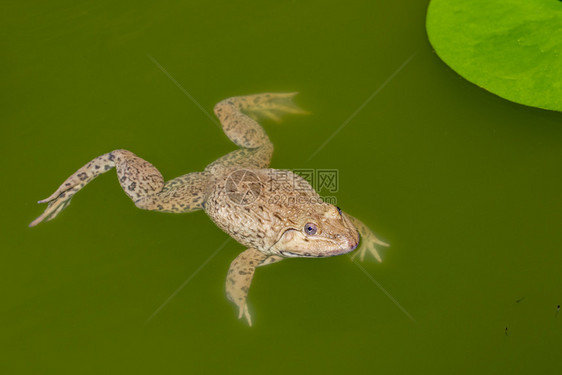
pixel 290 254
pixel 291 246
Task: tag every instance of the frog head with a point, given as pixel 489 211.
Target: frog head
pixel 321 230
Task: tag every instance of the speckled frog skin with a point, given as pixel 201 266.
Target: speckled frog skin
pixel 274 213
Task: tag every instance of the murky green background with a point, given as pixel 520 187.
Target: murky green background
pixel 464 185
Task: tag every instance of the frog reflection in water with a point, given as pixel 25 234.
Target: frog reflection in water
pixel 236 192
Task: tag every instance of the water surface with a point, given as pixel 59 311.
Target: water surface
pixel 464 185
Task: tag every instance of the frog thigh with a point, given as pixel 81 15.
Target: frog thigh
pixel 182 194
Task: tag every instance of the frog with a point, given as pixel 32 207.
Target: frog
pixel 275 213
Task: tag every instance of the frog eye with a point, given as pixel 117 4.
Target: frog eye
pixel 310 229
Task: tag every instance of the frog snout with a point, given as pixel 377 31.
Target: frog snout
pixel 349 243
pixel 352 243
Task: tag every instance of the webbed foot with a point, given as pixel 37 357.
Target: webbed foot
pixel 369 241
pixel 56 205
pixel 271 106
pixel 62 196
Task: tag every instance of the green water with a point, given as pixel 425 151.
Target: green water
pixel 464 185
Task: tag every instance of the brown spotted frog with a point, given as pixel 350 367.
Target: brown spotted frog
pixel 261 208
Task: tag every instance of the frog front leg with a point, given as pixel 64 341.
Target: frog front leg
pixel 240 277
pixel 140 180
pixel 369 241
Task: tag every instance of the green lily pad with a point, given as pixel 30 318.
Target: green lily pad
pixel 510 48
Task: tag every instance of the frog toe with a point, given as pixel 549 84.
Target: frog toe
pixel 271 115
pixel 53 209
pixel 369 246
pixel 273 106
pixel 244 312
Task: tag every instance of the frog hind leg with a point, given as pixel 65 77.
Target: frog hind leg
pixel 238 117
pixel 140 180
pixel 240 277
pixel 369 242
